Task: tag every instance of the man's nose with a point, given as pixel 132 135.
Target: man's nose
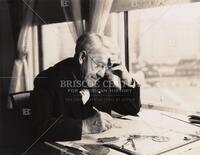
pixel 101 73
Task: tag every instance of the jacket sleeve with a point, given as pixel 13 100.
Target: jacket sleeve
pixel 127 101
pixel 47 124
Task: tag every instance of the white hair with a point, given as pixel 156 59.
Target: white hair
pixel 92 42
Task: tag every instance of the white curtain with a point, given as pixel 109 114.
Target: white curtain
pixel 73 13
pixel 99 11
pixel 26 65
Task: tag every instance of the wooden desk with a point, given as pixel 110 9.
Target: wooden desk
pixel 182 137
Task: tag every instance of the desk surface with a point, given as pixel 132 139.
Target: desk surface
pixel 182 138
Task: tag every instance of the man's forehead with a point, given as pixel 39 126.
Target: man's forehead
pixel 105 50
pixel 101 58
pixel 103 54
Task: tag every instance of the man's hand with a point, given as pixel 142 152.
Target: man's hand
pixel 119 73
pixel 98 123
pixel 85 95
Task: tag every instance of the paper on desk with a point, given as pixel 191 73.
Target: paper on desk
pixel 121 129
pixel 149 123
pixel 168 122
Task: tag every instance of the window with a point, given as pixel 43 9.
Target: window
pixel 57 43
pixel 164 54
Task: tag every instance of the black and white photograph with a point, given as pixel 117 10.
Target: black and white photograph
pixel 99 77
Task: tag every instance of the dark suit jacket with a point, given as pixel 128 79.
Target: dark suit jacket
pixel 57 107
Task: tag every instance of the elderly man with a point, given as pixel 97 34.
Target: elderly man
pixel 76 96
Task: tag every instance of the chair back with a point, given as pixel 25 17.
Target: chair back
pixel 18 132
pixel 21 104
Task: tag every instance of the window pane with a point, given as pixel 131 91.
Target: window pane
pixel 115 30
pixel 164 46
pixel 57 42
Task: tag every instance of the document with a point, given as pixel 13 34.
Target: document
pixel 150 133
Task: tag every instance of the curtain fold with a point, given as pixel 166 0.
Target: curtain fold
pixel 26 64
pixel 95 21
pixel 73 12
pixel 99 11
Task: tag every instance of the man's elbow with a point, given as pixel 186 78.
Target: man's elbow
pixel 136 108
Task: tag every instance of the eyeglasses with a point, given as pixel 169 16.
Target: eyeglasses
pixel 107 67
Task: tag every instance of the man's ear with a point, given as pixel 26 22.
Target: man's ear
pixel 82 57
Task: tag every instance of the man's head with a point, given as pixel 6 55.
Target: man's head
pixel 94 53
